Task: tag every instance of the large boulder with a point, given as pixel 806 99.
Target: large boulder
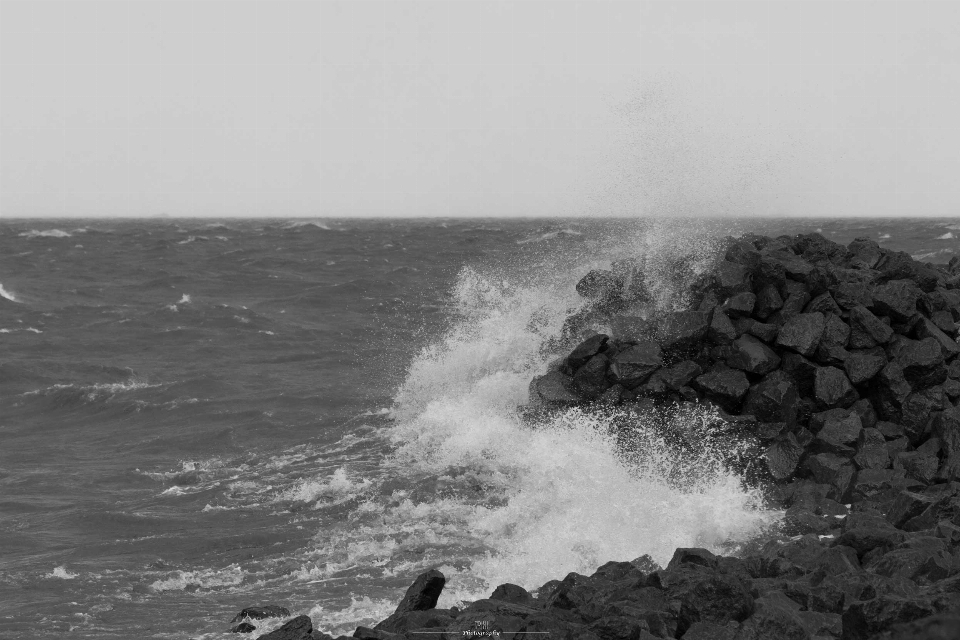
pixel 922 363
pixel 896 299
pixel 682 330
pixel 726 387
pixel 831 388
pixel 774 399
pixel 750 355
pixel 586 350
pixel 553 389
pixel 300 628
pixel 802 333
pixel 861 366
pixel 632 366
pixel 867 330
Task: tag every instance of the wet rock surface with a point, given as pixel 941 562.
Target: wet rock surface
pixel 841 363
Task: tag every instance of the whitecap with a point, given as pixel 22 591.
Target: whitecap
pixel 201 579
pixel 62 573
pixel 947 236
pixel 7 294
pixel 33 330
pixel 184 300
pixel 46 233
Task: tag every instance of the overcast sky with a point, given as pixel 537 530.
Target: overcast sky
pixel 479 107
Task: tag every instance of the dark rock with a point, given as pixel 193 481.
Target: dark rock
pixel 922 363
pixel 553 388
pixel 872 450
pixel 917 465
pixel 680 374
pixel 951 388
pixel 768 301
pixel 864 409
pixel 711 631
pixel 512 593
pixel 833 470
pixel 743 252
pixel 705 596
pixel 630 329
pixel 300 628
pixel 801 371
pixel 866 532
pixel 925 329
pixel 732 278
pixel 726 387
pixel 907 506
pixel 422 595
pixel 864 619
pixel 871 484
pixel 916 412
pixel 783 456
pixel 682 330
pixel 766 332
pixel 243 627
pixel 896 299
pixel 838 430
pixel 774 619
pixel 890 430
pixel 831 388
pixel 944 321
pixel 865 252
pixel 801 333
pixel 590 380
pixel 946 426
pixel 848 295
pixel 890 391
pixel 692 556
pixel 721 330
pixel 586 350
pixel 823 303
pixel 862 366
pixel 751 355
pixel 261 613
pixel 794 305
pixel 867 330
pixel 740 305
pixel 599 284
pixel 944 626
pixel 365 633
pixel 632 366
pixel 773 400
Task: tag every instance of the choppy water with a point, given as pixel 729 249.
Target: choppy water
pixel 200 416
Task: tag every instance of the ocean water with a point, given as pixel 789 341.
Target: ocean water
pixel 198 416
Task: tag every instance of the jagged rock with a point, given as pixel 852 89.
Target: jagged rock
pixel 721 330
pixel 422 595
pixel 836 430
pixel 768 301
pixel 261 613
pixel 922 363
pixel 917 410
pixel 833 470
pixel 867 330
pixel 632 366
pixel 896 299
pixel 801 371
pixel 802 333
pixel 750 355
pixel 865 252
pixel 732 278
pixel 590 380
pixel 951 388
pixel 848 295
pixel 831 388
pixel 870 484
pixel 927 330
pixel 726 387
pixel 783 456
pixel 705 596
pixel 599 284
pixel 832 349
pixel 743 252
pixel 243 627
pixel 553 388
pixel 864 619
pixel 740 305
pixel 679 375
pixel 586 350
pixel 866 532
pixel 300 628
pixel 862 366
pixel 944 626
pixel 773 400
pixel 763 331
pixel 864 408
pixel 823 303
pixel 907 506
pixel 774 619
pixel 682 330
pixel 872 450
pixel 917 465
pixel 944 321
pixel 793 305
pixel 890 392
pixel 629 329
pixel 512 593
pixel 946 426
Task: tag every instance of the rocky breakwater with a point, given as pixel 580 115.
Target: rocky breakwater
pixel 841 363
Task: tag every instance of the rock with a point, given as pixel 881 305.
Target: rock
pixel 365 633
pixel 721 330
pixel 682 330
pixel 680 374
pixel 512 593
pixel 864 409
pixel 783 456
pixel 300 628
pixel 801 371
pixel 896 299
pixel 916 412
pixel 848 295
pixel 732 278
pixel 774 619
pixel 865 532
pixel 871 484
pixel 871 450
pixel 743 252
pixel 833 470
pixel 825 304
pixel 751 355
pixel 740 305
pixel 630 329
pixel 946 426
pixel 599 284
pixel 768 301
pixel 586 350
pixel 865 252
pixel 836 431
pixel 866 329
pixel 864 619
pixel 705 595
pixel 553 388
pixel 243 627
pixel 802 333
pixel 922 363
pixel 726 387
pixel 890 391
pixel 794 304
pixel 766 332
pixel 944 626
pixel 925 329
pixel 907 506
pixel 831 388
pixel 632 366
pixel 862 366
pixel 917 465
pixel 692 556
pixel 832 349
pixel 261 613
pixel 423 593
pixel 590 380
pixel 773 400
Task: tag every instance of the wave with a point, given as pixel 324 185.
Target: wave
pixel 551 235
pixel 46 233
pixel 304 224
pixel 194 239
pixel 947 236
pixel 7 294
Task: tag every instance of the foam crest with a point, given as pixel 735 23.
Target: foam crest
pixel 204 579
pixel 46 233
pixel 8 295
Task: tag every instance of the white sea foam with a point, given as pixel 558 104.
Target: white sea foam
pixel 306 223
pixel 46 233
pixel 62 573
pixel 360 611
pixel 337 489
pixel 184 300
pixel 203 579
pixel 947 236
pixel 7 294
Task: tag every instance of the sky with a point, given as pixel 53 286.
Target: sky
pixel 479 107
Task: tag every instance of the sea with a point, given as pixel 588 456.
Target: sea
pixel 197 416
